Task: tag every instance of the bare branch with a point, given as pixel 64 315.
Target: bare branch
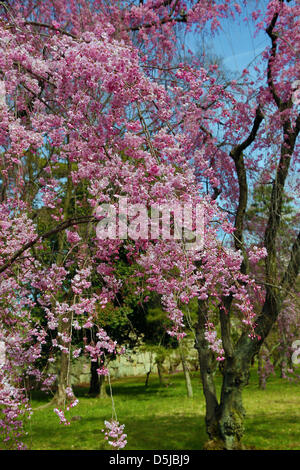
pixel 64 225
pixel 238 157
pixel 49 26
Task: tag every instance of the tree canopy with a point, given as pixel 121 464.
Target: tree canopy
pixel 95 108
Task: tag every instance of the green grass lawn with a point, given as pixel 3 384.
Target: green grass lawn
pixel 165 419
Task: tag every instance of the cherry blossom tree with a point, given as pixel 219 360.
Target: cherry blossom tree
pixel 84 103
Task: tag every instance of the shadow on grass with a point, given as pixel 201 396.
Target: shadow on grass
pixel 174 432
pixel 132 387
pixel 80 392
pixel 175 386
pixel 138 390
pixel 162 433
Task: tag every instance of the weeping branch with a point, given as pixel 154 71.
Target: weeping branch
pixel 59 228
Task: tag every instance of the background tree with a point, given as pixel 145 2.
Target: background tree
pixel 277 349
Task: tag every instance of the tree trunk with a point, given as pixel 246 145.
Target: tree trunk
pixel 187 377
pixel 60 396
pixel 94 381
pixel 260 371
pixel 97 382
pixel 231 412
pixel 149 371
pixel 162 381
pixel 147 378
pixel 225 420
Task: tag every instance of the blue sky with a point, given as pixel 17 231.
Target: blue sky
pixel 236 42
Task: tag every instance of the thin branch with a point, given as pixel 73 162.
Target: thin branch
pixel 64 225
pixel 179 19
pixel 49 26
pixel 238 157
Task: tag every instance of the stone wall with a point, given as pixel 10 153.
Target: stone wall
pixel 128 365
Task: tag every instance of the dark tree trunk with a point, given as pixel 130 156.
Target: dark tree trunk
pixel 147 378
pixel 231 412
pixel 97 382
pixel 94 381
pixel 225 421
pixel 149 371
